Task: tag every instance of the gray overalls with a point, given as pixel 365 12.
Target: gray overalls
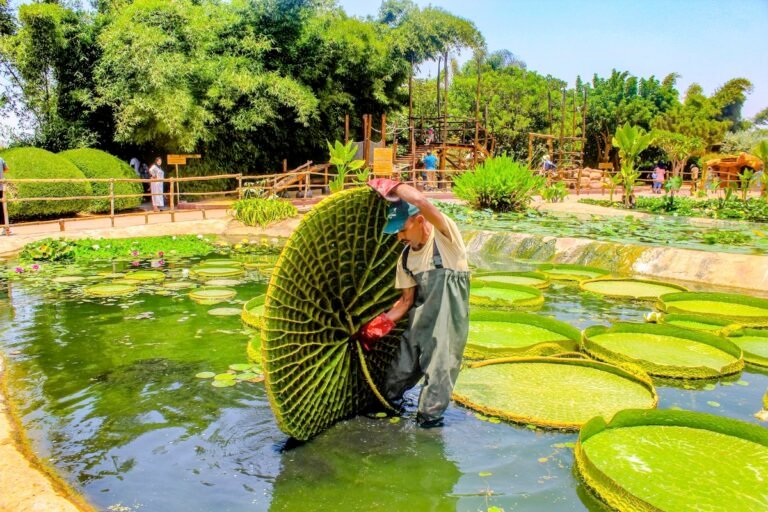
pixel 433 344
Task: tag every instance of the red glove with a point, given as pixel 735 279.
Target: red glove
pixel 385 187
pixel 369 334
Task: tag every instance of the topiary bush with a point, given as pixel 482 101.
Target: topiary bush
pixel 500 184
pixel 95 163
pixel 32 163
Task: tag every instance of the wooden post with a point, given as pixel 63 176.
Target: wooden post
pixel 6 220
pixel 365 139
pixel 383 130
pixel 112 201
pixel 177 187
pixel 562 133
pixel 394 141
pixel 285 165
pixel 239 186
pixel 146 217
pixel 346 129
pixel 413 148
pixel 578 182
pixel 61 224
pixel 173 211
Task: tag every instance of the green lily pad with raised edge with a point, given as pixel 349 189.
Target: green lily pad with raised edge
pixel 223 282
pixel 224 376
pixel 567 272
pixel 535 279
pixel 513 333
pixel 719 326
pixel 224 311
pixel 146 275
pixel 210 296
pixel 208 272
pixel 253 310
pixel 674 461
pixel 754 343
pixel 552 392
pixel 629 288
pixel 68 279
pixel 253 351
pixel 240 367
pixel 205 375
pixel 109 289
pixel 504 295
pixel 742 309
pixel 220 263
pixel 664 350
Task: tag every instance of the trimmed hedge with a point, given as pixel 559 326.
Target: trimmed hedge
pixel 30 163
pixel 95 163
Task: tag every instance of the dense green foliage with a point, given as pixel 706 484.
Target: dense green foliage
pixel 500 184
pixel 90 249
pixel 28 163
pixel 752 209
pixel 97 164
pixel 261 212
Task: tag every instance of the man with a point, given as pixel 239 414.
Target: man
pixel 3 170
pixel 430 165
pixel 434 279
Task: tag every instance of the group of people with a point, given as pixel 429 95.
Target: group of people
pixel 154 173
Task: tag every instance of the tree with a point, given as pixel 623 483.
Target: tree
pixel 729 99
pixel 631 141
pixel 678 148
pixel 696 117
pixel 761 118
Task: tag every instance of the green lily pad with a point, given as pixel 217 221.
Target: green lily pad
pixel 68 279
pixel 253 310
pixel 220 263
pixel 551 392
pixel 146 275
pixel 111 275
pixel 205 375
pixel 209 296
pixel 223 383
pixel 179 285
pixel 535 279
pixel 655 461
pixel 512 333
pixel 224 311
pixel 224 376
pixel 754 343
pixel 566 272
pixel 629 288
pixel 504 295
pixel 223 282
pixel 109 289
pixel 240 367
pixel 664 350
pixel 209 272
pixel 742 309
pixel 718 326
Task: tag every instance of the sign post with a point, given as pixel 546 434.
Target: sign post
pixel 382 162
pixel 178 160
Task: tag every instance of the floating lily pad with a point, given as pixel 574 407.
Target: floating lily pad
pixel 179 285
pixel 211 296
pixel 629 288
pixel 220 263
pixel 504 295
pixel 111 275
pixel 754 343
pixel 224 376
pixel 260 266
pixel 717 326
pixel 741 309
pixel 535 279
pixel 253 310
pixel 655 461
pixel 223 383
pixel 566 272
pixel 224 311
pixel 209 272
pixel 146 275
pixel 109 289
pixel 240 367
pixel 512 333
pixel 664 350
pixel 68 279
pixel 551 392
pixel 223 282
pixel 205 375
pixel 247 376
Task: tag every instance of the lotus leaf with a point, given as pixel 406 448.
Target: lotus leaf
pixel 535 279
pixel 629 288
pixel 565 272
pixel 754 343
pixel 674 461
pixel 109 289
pixel 253 310
pixel 335 273
pixel 224 311
pixel 504 295
pixel 664 350
pixel 552 392
pixel 210 296
pixel 741 309
pixel 210 272
pixel 111 275
pixel 510 333
pixel 146 275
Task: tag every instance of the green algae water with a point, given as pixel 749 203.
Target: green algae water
pixel 106 389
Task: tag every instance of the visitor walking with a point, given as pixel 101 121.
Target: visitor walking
pixel 658 176
pixel 157 174
pixel 433 277
pixel 430 166
pixel 3 169
pixel 136 164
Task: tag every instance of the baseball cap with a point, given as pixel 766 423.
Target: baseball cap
pixel 397 214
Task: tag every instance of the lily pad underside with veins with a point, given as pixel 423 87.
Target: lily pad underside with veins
pixel 742 309
pixel 552 392
pixel 675 461
pixel 336 272
pixel 664 350
pixel 629 288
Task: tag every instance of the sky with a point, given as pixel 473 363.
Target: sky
pixel 705 41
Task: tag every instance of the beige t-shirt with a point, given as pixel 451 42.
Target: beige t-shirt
pixel 452 251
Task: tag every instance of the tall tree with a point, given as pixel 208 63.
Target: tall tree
pixel 698 116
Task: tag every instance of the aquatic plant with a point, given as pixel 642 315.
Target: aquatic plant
pixel 48 249
pixel 262 212
pixel 569 272
pixel 742 309
pixel 754 343
pixel 491 294
pixel 342 156
pixel 555 192
pixel 209 296
pixel 535 279
pixel 629 288
pixel 500 184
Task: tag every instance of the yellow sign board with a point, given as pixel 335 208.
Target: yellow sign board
pixel 382 162
pixel 179 159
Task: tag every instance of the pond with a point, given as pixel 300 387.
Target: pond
pixel 106 389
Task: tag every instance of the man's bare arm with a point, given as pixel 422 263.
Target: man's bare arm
pixel 403 304
pixel 427 209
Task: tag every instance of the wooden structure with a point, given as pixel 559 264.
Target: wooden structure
pixel 566 151
pixel 728 168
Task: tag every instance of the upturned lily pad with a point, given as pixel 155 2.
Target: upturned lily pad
pixel 535 279
pixel 566 272
pixel 664 350
pixel 551 392
pixel 512 333
pixel 109 289
pixel 504 295
pixel 253 310
pixel 209 272
pixel 742 309
pixel 629 288
pixel 336 272
pixel 223 282
pixel 754 343
pixel 211 296
pixel 68 279
pixel 719 326
pixel 224 311
pixel 146 275
pixel 656 461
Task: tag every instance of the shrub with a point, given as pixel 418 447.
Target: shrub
pixel 30 163
pixel 500 184
pixel 98 164
pixel 252 212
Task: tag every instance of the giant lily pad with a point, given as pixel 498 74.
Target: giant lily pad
pixel 717 326
pixel 741 309
pixel 535 279
pixel 629 288
pixel 664 350
pixel 109 289
pixel 223 282
pixel 210 296
pixel 504 295
pixel 754 343
pixel 566 272
pixel 552 392
pixel 179 285
pixel 335 273
pixel 218 263
pixel 210 272
pixel 145 275
pixel 253 310
pixel 675 461
pixel 253 349
pixel 512 333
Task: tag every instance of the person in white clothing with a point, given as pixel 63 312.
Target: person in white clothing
pixel 156 187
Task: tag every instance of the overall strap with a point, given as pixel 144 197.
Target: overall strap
pixel 437 259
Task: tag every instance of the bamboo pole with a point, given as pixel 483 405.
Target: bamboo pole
pixel 346 129
pixel 6 220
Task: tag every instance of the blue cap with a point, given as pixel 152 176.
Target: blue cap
pixel 397 214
